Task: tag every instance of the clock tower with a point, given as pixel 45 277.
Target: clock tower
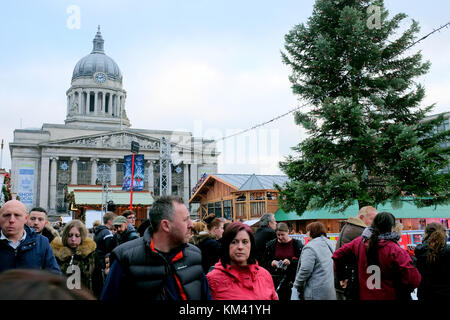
pixel 96 97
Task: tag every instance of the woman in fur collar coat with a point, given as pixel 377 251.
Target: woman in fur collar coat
pixel 75 248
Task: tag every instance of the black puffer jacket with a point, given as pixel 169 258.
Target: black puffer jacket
pixel 145 272
pixel 435 284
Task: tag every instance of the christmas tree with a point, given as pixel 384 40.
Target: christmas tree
pixel 366 138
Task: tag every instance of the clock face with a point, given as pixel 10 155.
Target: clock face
pixel 100 77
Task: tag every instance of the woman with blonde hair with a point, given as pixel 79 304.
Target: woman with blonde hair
pixel 433 262
pixel 75 248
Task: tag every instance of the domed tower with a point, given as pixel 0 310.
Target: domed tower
pixel 96 96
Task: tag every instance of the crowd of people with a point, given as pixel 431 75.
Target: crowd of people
pixel 171 257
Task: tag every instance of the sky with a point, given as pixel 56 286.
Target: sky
pixel 210 67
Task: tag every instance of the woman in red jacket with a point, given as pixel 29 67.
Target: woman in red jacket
pixel 385 270
pixel 237 275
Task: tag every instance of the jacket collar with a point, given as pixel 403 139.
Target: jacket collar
pixel 235 272
pixel 356 222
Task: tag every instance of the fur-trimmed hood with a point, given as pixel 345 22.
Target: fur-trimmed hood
pixel 356 222
pixel 62 252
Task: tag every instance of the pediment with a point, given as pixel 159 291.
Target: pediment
pixel 109 140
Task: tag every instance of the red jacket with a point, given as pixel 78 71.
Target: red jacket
pixel 395 268
pixel 234 283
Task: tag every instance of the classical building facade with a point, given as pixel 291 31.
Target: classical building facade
pixel 97 134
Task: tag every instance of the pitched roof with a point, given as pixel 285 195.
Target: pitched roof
pixel 253 181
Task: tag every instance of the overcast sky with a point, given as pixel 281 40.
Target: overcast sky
pixel 210 67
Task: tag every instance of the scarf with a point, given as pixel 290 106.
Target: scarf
pixel 392 236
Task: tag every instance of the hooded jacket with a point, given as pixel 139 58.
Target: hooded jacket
pixel 104 239
pixel 234 283
pixel 82 256
pixel 395 269
pixel 435 284
pixel 210 248
pixel 33 253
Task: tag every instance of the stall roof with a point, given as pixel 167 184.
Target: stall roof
pixel 92 195
pixel 408 210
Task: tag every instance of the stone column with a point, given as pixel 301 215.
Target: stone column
pixel 88 102
pixel 110 112
pixel 43 196
pixel 194 175
pixel 79 102
pixel 113 172
pixel 186 191
pixel 95 102
pixel 53 167
pixel 94 170
pixel 103 102
pixel 74 171
pixel 151 178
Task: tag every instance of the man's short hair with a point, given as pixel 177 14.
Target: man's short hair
pixel 161 209
pixel 265 219
pixel 108 216
pixel 39 209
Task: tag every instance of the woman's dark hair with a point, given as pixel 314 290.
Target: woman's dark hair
pixel 316 229
pixel 211 221
pixel 229 234
pixel 383 223
pixel 436 237
pixel 29 284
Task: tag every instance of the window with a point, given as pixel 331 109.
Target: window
pixel 218 209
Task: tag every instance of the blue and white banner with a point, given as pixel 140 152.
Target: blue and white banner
pixel 139 170
pixel 26 183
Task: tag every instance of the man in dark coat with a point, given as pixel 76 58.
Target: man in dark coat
pixel 265 233
pixel 20 246
pixel 105 242
pixel 161 265
pixel 352 229
pixel 124 230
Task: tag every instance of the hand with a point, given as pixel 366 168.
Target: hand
pixel 286 262
pixel 274 263
pixel 343 283
pixel 107 265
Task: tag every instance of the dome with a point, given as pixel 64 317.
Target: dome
pixel 97 61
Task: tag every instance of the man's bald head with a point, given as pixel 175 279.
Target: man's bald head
pixel 367 214
pixel 13 216
pixel 14 204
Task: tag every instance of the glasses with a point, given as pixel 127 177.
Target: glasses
pixel 131 218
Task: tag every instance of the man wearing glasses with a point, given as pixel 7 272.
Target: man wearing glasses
pixel 131 217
